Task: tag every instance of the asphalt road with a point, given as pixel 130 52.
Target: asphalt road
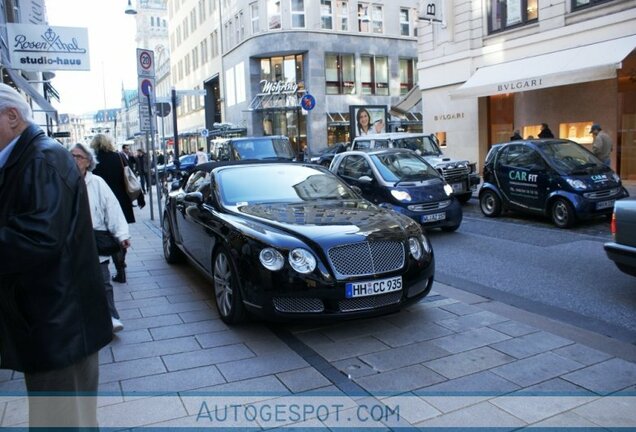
pixel 529 263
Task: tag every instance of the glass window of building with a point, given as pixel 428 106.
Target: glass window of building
pixel 407 74
pixel 178 32
pixel 195 58
pixel 185 28
pixel 201 11
pixel 186 63
pixel 204 51
pixel 298 13
pixel 377 19
pixel 503 15
pixel 237 29
pixel 300 71
pixel 215 43
pixel 180 70
pixel 580 4
pixel 266 70
pixel 273 14
pixel 342 12
pixel 363 18
pixel 277 69
pixel 374 75
pixel 326 15
pixel 340 74
pixel 212 6
pixel 254 17
pixel 405 22
pixel 193 20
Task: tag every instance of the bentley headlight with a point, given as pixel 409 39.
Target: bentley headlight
pixel 426 244
pixel 302 260
pixel 448 189
pixel 576 183
pixel 271 259
pixel 616 177
pixel 415 247
pixel 401 195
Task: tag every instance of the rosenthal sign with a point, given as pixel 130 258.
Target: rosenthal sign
pixel 45 48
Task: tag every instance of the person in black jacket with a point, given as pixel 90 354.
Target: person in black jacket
pixel 516 136
pixel 545 131
pixel 54 314
pixel 110 167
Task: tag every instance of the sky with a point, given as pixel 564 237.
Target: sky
pixel 111 38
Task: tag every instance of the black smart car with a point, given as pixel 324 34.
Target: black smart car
pixel 401 180
pixel 291 239
pixel 553 177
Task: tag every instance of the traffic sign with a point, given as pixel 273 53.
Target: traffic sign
pixel 205 133
pixel 308 102
pixel 146 87
pixel 145 63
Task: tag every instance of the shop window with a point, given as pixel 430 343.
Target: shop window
pixel 505 14
pixel 578 132
pixel 340 73
pixel 441 139
pixel 326 15
pixel 407 75
pixel 374 75
pixel 531 131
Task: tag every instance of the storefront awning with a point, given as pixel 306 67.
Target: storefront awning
pixel 24 85
pixel 576 65
pixel 406 104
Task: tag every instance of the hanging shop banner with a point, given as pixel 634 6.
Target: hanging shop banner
pixel 47 48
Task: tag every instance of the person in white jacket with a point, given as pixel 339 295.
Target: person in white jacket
pixel 106 214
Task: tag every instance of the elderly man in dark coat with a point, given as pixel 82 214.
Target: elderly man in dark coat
pixel 54 315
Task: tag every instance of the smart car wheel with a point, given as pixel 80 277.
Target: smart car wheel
pixel 563 214
pixel 171 252
pixel 490 203
pixel 226 291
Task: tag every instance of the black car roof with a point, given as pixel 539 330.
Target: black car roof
pixel 209 166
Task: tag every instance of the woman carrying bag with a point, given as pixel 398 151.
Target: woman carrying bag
pixel 111 168
pixel 107 218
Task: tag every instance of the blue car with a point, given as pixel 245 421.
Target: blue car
pixel 401 180
pixel 551 177
pixel 186 164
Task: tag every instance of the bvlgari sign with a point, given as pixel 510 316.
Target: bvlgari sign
pixel 521 85
pixel 47 48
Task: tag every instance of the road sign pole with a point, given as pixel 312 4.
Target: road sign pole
pixel 174 128
pixel 152 143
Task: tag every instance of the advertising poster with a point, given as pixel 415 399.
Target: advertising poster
pixel 367 119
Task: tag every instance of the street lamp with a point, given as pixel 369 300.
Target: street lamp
pixel 130 10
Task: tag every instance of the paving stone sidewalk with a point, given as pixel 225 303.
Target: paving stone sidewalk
pixel 453 360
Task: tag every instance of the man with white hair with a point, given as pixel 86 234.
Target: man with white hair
pixel 54 315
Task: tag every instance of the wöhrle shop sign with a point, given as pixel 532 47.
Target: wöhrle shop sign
pixel 46 48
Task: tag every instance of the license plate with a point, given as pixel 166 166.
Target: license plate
pixel 458 187
pixel 433 217
pixel 375 287
pixel 604 204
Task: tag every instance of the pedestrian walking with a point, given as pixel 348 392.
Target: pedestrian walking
pixel 110 167
pixel 130 158
pixel 142 172
pixel 202 157
pixel 53 309
pixel 602 146
pixel 106 215
pixel 545 131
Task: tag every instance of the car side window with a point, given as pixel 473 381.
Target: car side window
pixel 355 167
pixel 196 181
pixel 362 145
pixel 381 144
pixel 511 155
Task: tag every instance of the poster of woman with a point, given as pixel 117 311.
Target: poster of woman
pixel 367 120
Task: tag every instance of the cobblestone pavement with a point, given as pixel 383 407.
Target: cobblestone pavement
pixel 453 360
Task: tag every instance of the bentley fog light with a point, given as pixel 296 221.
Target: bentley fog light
pixel 302 261
pixel 448 189
pixel 576 184
pixel 401 195
pixel 415 248
pixel 271 259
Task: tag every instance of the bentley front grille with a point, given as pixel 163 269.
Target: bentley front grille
pixel 370 302
pixel 367 258
pixel 298 305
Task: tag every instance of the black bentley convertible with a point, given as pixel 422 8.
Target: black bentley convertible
pixel 283 239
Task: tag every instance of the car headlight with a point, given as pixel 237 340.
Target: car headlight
pixel 401 195
pixel 415 247
pixel 616 177
pixel 271 259
pixel 426 245
pixel 576 184
pixel 472 168
pixel 302 260
pixel 448 189
pixel 314 159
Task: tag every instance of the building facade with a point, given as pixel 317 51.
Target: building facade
pixel 257 59
pixel 487 68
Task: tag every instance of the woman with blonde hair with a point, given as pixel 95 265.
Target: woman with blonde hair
pixel 111 168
